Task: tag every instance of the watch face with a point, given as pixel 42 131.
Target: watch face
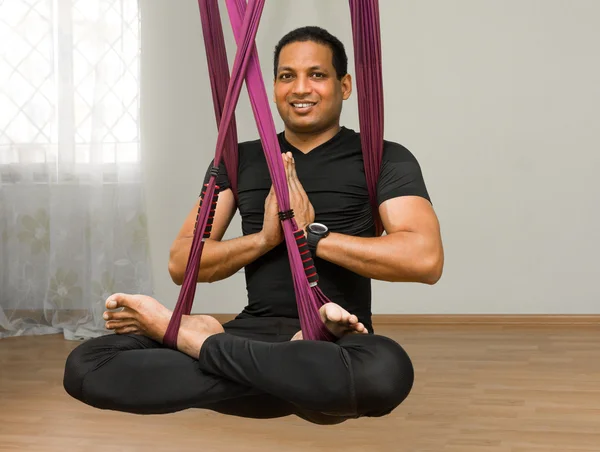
pixel 317 228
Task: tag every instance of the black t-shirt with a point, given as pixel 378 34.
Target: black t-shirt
pixel 333 177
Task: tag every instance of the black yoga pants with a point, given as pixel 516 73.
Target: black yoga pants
pixel 250 370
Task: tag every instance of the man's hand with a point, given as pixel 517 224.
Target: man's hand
pixel 272 232
pixel 304 212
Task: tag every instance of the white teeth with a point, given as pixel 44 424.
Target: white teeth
pixel 303 105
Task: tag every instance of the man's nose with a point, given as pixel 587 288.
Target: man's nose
pixel 302 86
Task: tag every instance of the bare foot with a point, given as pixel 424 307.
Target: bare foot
pixel 144 315
pixel 337 320
pixel 194 330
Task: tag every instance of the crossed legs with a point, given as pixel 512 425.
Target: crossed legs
pixel 360 375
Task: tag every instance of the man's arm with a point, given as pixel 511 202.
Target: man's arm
pixel 411 251
pixel 221 259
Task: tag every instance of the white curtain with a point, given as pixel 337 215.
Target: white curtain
pixel 72 223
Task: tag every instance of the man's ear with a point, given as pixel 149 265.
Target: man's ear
pixel 346 86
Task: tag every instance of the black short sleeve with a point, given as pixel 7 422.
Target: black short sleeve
pixel 400 174
pixel 222 178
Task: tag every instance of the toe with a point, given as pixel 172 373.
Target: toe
pixel 127 330
pixel 333 312
pixel 119 300
pixel 111 325
pixel 126 313
pixel 112 302
pixel 118 324
pixel 345 318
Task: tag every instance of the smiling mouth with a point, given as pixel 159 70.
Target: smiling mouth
pixel 302 106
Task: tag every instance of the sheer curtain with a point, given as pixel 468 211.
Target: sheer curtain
pixel 72 223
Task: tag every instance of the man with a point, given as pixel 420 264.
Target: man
pixel 258 365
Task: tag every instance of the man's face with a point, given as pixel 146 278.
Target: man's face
pixel 307 92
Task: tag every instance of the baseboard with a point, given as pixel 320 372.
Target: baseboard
pixel 390 319
pixel 471 319
pixel 486 319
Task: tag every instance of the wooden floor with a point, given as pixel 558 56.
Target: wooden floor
pixel 477 389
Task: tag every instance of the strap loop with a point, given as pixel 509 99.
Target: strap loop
pixel 287 215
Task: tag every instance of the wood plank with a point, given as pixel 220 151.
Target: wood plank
pixel 479 388
pixel 486 319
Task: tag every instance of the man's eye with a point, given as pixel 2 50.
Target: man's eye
pixel 285 76
pixel 318 75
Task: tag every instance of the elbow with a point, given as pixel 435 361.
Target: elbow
pixel 176 268
pixel 175 272
pixel 432 277
pixel 433 269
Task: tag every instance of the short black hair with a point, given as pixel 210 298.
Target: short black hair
pixel 320 36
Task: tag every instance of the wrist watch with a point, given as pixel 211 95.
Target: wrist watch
pixel 314 233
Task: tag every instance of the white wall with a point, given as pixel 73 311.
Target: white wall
pixel 499 101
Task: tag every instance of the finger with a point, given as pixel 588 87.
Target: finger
pixel 294 181
pixel 274 198
pixel 286 163
pixel 269 198
pixel 292 172
pixel 353 319
pixel 293 167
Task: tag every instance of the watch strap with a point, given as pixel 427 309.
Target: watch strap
pixel 313 241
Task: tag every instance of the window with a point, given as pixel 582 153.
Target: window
pixel 69 81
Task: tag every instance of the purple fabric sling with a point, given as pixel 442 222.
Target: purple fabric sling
pixel 244 20
pixel 369 86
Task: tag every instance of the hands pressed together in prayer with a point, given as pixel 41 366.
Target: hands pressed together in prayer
pixel 337 319
pixel 304 213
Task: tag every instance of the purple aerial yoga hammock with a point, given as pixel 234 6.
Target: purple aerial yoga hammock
pixel 244 20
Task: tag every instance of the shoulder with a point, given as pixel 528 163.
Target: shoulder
pixel 392 151
pixel 398 160
pixel 400 174
pixel 395 152
pixel 250 155
pixel 349 137
pixel 250 146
